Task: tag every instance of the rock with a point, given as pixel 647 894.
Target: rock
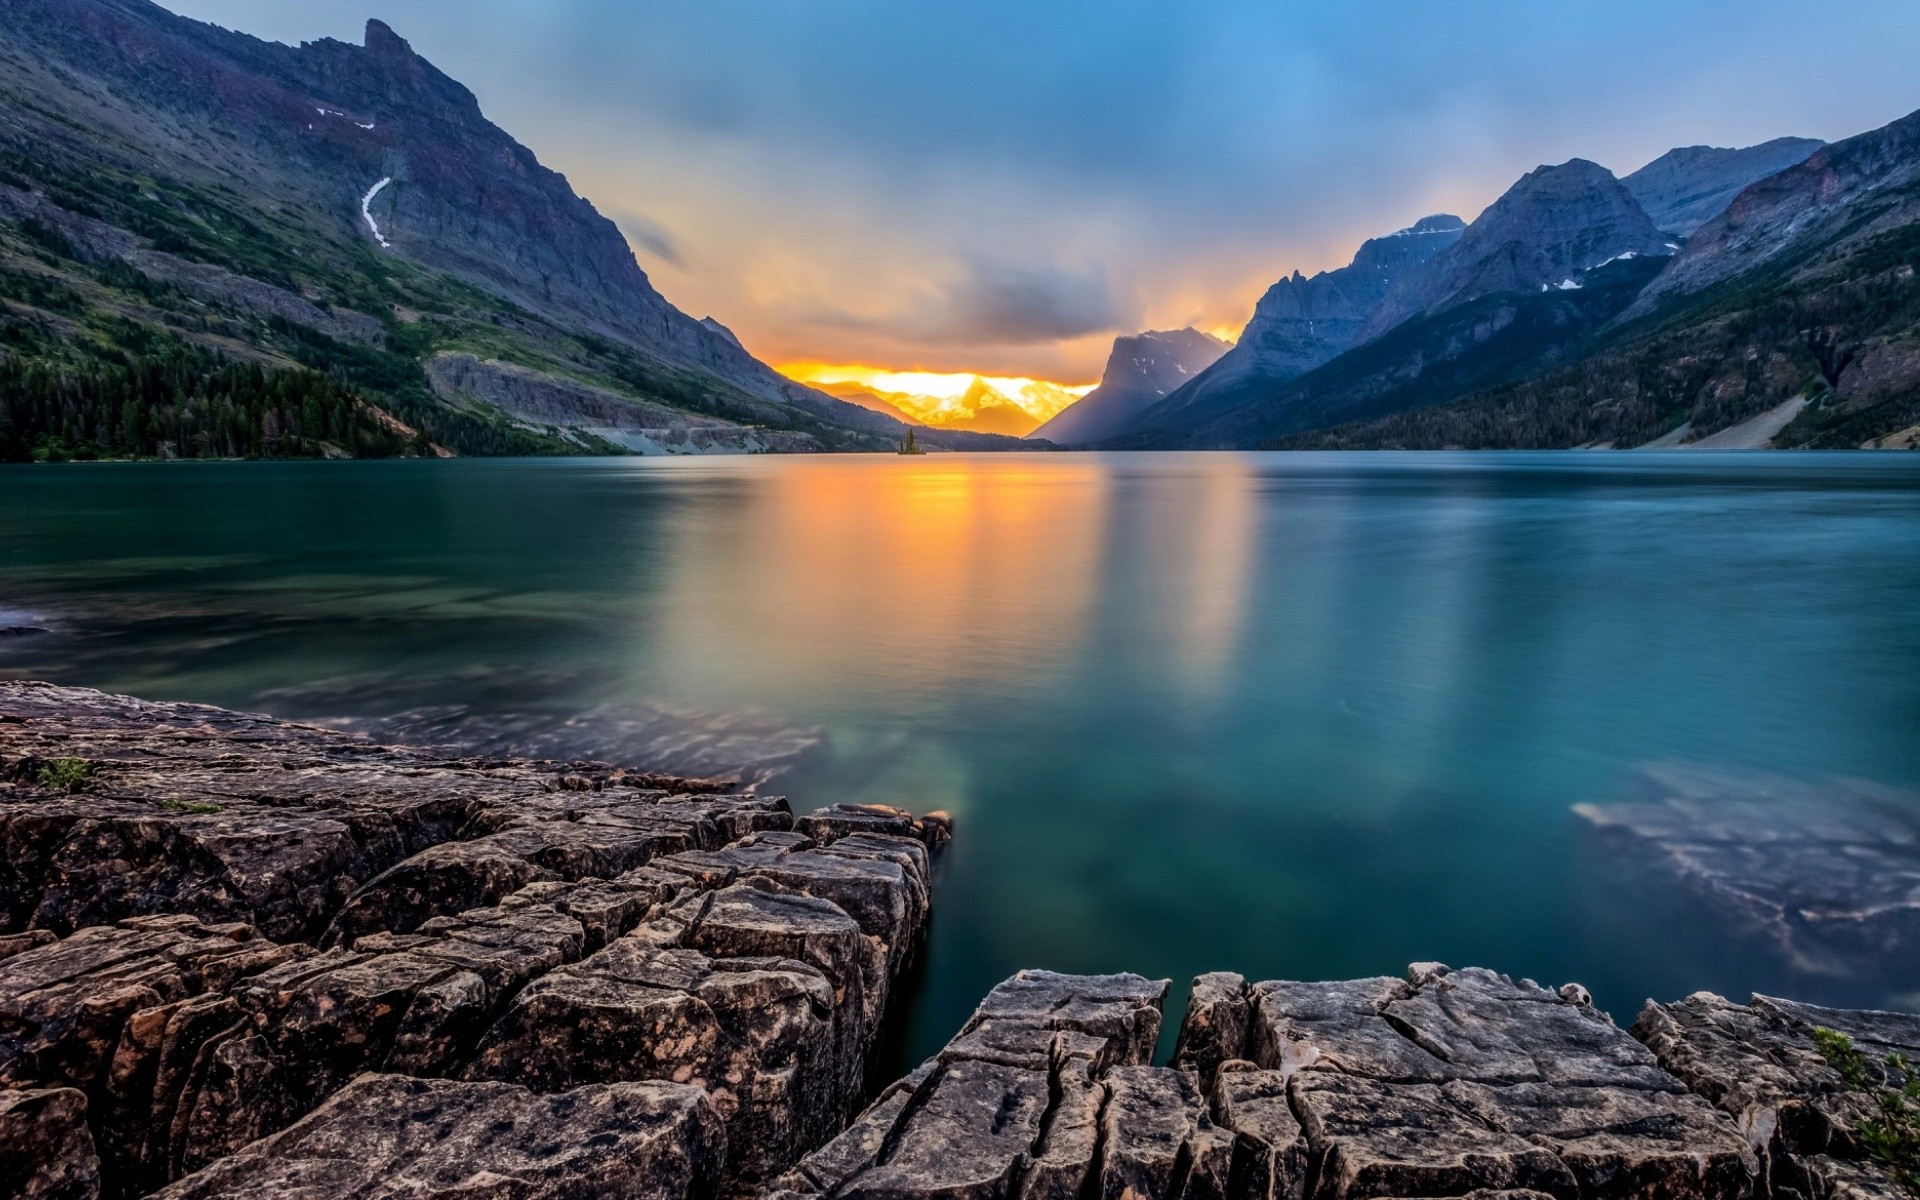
pixel 65 1006
pixel 1012 1104
pixel 1112 1019
pixel 1215 1027
pixel 386 1137
pixel 1758 1064
pixel 449 878
pixel 1461 1080
pixel 1159 1142
pixel 966 1137
pixel 557 927
pixel 46 1149
pixel 1062 1163
pixel 1271 1153
pixel 756 1033
pixel 1410 1139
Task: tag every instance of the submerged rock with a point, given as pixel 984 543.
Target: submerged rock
pixel 1828 873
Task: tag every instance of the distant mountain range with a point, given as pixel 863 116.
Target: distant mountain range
pixel 172 190
pixel 1761 296
pixel 983 407
pixel 216 245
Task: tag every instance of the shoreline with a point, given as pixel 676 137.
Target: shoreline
pixel 234 947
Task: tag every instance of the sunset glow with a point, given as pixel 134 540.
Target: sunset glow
pixel 937 397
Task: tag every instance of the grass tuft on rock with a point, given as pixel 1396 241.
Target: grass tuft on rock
pixel 192 806
pixel 64 773
pixel 1893 1138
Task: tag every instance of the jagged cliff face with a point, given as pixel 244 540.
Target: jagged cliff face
pixel 1141 370
pixel 325 153
pixel 1554 224
pixel 1683 189
pixel 1301 323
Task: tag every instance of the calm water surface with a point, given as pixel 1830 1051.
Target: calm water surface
pixel 1298 716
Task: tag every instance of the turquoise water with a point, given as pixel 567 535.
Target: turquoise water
pixel 1298 716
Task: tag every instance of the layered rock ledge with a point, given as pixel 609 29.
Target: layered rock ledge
pixel 256 957
pixel 243 958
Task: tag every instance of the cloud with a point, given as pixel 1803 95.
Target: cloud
pixel 645 235
pixel 998 305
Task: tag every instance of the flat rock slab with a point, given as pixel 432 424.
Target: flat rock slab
pixel 1447 1082
pixel 1827 872
pixel 388 1137
pixel 112 807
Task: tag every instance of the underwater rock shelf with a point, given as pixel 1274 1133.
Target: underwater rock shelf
pixel 246 958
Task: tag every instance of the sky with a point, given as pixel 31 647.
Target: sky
pixel 1003 186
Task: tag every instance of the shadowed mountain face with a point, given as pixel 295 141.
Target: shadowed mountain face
pixel 361 183
pixel 1548 228
pixel 1684 189
pixel 1298 325
pixel 1142 370
pixel 1797 305
pixel 1495 300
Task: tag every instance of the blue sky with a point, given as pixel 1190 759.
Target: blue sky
pixel 1002 187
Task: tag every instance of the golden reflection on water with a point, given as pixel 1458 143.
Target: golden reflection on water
pixel 905 575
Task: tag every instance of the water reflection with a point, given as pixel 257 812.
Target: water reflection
pixel 891 579
pixel 1302 716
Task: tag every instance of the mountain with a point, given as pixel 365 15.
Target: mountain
pixel 1301 323
pixel 1141 370
pixel 1790 319
pixel 854 393
pixel 170 188
pixel 1549 227
pixel 1497 302
pixel 1684 189
pixel 985 409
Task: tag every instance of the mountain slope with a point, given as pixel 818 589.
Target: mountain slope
pixel 1683 189
pixel 867 398
pixel 1553 224
pixel 341 207
pixel 1806 287
pixel 1141 370
pixel 1298 325
pixel 1428 360
pixel 1555 258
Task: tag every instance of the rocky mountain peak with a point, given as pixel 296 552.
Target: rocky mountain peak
pixel 1141 369
pixel 383 42
pixel 1160 360
pixel 1552 225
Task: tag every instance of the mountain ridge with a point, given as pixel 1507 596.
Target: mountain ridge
pixel 282 181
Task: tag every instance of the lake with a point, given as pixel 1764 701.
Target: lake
pixel 1298 716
